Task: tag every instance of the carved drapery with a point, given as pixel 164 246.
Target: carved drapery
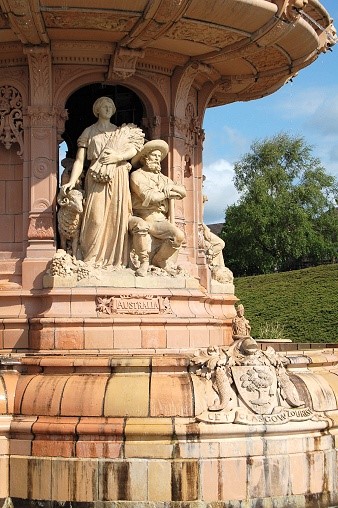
pixel 11 129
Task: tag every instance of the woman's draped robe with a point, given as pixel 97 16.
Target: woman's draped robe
pixel 104 231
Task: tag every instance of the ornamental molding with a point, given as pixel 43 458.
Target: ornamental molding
pixel 41 167
pixel 133 304
pixel 11 118
pixel 157 19
pixel 26 23
pixel 123 63
pixel 186 80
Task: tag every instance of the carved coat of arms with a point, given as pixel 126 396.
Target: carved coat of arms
pixel 250 385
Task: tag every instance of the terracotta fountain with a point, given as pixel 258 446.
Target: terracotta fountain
pixel 127 376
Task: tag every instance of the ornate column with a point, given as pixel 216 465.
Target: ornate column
pixel 42 153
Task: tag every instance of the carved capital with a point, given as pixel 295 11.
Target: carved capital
pixel 123 63
pixel 45 117
pixel 41 226
pixel 40 72
pixel 11 129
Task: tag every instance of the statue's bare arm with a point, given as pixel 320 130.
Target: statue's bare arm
pixel 76 170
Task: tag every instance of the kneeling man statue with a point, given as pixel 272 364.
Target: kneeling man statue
pixel 151 195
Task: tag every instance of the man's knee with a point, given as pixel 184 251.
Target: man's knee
pixel 136 225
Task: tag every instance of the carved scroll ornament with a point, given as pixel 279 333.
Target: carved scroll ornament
pixel 11 129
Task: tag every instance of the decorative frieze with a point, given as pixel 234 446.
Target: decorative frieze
pixel 11 129
pixel 203 33
pixel 107 21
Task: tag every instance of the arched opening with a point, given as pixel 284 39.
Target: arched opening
pixel 129 109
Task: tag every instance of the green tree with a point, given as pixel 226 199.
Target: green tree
pixel 286 213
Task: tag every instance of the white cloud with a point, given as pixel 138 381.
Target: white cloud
pixel 220 190
pixel 300 103
pixel 324 119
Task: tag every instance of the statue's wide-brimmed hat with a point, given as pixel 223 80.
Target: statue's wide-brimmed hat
pixel 150 146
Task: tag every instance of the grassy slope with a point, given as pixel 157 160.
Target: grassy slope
pixel 304 301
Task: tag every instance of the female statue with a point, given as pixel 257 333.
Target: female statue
pixel 104 230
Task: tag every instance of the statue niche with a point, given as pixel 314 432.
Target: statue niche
pixel 113 222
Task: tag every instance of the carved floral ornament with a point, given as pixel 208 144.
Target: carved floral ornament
pixel 11 129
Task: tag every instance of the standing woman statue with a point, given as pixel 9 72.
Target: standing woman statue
pixel 104 231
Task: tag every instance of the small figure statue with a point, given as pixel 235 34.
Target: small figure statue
pixel 104 230
pixel 152 195
pixel 241 328
pixel 69 219
pixel 214 246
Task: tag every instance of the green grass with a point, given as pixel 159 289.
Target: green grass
pixel 303 302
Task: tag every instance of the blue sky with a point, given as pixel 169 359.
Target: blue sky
pixel 307 106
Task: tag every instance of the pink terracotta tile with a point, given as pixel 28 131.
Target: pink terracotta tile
pixel 127 337
pixel 7 228
pixel 83 306
pixel 300 483
pixel 170 395
pixel 43 395
pixel 159 490
pixel 3 397
pixel 4 475
pixel 41 338
pixel 255 477
pixel 153 337
pixel 21 447
pixel 185 480
pixel 99 337
pixel 199 336
pixel 19 469
pixel 11 308
pixel 177 336
pixel 216 335
pixel 233 475
pixel 63 476
pixel 40 474
pixel 1 335
pixel 15 338
pixel 2 196
pixel 21 387
pixel 210 480
pixel 69 337
pixel 10 380
pixel 108 449
pixel 180 307
pixel 14 197
pixel 78 396
pixel 53 447
pixel 18 228
pixel 128 394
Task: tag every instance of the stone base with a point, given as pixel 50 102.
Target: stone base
pixel 122 432
pixel 114 319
